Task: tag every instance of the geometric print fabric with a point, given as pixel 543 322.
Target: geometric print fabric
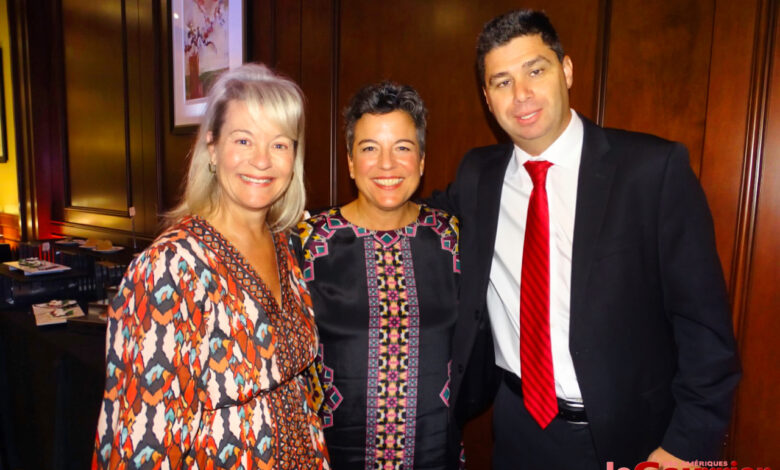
pixel 203 367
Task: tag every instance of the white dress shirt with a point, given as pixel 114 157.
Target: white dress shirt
pixel 503 294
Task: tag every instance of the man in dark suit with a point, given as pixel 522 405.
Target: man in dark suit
pixel 629 353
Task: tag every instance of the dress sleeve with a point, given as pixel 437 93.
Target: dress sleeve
pixel 153 397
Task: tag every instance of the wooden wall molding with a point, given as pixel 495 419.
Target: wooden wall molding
pixel 753 288
pixel 752 161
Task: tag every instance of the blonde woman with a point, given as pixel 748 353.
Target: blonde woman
pixel 211 333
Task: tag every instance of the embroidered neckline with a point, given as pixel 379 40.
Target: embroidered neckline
pixel 426 217
pixel 240 267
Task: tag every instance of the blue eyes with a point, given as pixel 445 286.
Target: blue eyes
pixel 273 146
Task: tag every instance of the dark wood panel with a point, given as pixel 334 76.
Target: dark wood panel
pixel 431 46
pixel 659 57
pixel 756 433
pixel 96 104
pixel 145 118
pixel 286 57
pixel 727 110
pixel 318 54
pixel 37 104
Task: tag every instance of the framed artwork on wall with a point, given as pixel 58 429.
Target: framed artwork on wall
pixel 3 138
pixel 207 38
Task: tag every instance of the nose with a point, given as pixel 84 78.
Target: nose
pixel 522 91
pixel 385 159
pixel 261 157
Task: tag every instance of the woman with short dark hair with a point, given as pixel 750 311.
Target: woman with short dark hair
pixel 383 273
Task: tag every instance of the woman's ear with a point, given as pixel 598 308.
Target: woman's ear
pixel 210 146
pixel 351 166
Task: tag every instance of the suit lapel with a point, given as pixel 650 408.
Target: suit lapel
pixel 491 181
pixel 597 169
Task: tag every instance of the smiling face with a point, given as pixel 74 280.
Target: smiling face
pixel 254 161
pixel 527 90
pixel 385 161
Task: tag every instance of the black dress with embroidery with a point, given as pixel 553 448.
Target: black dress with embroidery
pixel 385 304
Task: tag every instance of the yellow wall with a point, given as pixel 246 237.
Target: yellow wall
pixel 9 193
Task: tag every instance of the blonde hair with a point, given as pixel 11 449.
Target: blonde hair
pixel 281 101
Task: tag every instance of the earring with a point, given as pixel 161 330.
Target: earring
pixel 212 168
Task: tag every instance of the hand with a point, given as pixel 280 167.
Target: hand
pixel 665 459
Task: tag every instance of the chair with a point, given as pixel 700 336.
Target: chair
pixel 5 252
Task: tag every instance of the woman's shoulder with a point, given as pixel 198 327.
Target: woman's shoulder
pixel 320 216
pixel 179 241
pixel 438 219
pixel 317 222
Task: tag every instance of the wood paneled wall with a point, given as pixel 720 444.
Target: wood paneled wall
pixel 94 120
pixel 691 70
pixel 88 77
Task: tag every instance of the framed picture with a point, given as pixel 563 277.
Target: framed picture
pixel 207 38
pixel 3 139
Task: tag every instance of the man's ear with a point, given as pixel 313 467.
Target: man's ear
pixel 568 71
pixel 487 100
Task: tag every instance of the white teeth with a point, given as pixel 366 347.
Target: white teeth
pixel 388 181
pixel 529 116
pixel 255 180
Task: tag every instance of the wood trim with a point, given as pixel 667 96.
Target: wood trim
pixel 334 101
pixel 20 57
pixel 746 218
pixel 602 62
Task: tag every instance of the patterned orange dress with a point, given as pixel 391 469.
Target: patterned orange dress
pixel 203 368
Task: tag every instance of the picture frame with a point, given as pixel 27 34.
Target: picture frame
pixel 3 129
pixel 207 38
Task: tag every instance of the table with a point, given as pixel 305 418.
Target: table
pixel 16 289
pixel 51 385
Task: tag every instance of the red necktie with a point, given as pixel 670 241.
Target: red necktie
pixel 535 353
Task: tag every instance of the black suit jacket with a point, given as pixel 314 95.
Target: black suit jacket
pixel 650 332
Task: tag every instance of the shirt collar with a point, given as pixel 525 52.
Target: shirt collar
pixel 564 152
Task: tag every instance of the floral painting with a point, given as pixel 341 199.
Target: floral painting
pixel 205 44
pixel 207 40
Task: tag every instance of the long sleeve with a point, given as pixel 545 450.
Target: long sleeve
pixel 696 302
pixel 153 399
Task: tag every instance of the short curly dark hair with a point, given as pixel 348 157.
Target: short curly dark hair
pixel 502 29
pixel 383 98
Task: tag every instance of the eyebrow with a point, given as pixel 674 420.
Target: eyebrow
pixel 372 141
pixel 535 60
pixel 247 131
